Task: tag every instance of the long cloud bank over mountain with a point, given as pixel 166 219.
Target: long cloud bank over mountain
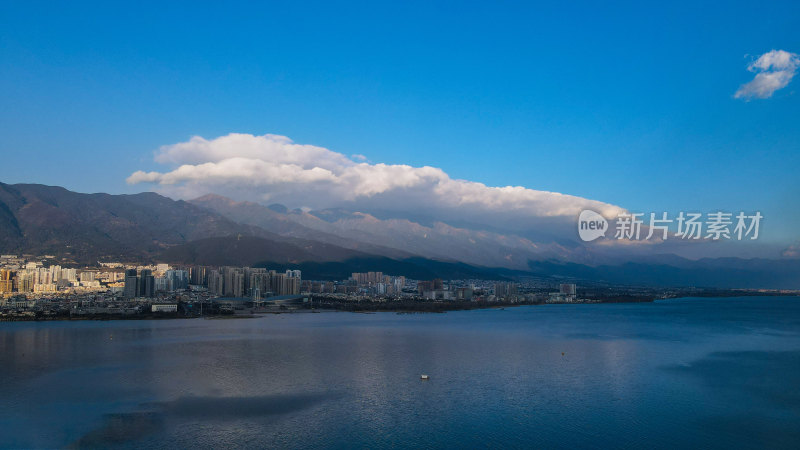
pixel 273 168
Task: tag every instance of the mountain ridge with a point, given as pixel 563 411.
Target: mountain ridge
pixel 215 230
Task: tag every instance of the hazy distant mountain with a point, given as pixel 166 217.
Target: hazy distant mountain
pixel 440 241
pixel 387 237
pixel 277 219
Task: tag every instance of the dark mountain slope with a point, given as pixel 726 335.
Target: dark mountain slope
pixel 41 219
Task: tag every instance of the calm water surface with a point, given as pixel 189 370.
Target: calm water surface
pixel 719 373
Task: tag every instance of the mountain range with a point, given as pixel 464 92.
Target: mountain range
pixel 330 243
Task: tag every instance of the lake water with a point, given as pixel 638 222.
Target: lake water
pixel 720 373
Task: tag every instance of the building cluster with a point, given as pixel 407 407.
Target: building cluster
pixel 437 289
pixel 29 276
pixel 126 281
pixel 28 279
pixel 500 291
pixel 376 283
pixel 17 275
pixel 359 284
pixel 143 283
pixel 567 293
pixel 226 281
pixel 506 290
pixel 254 283
pixel 458 290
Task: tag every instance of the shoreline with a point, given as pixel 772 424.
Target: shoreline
pixel 364 307
pixel 355 308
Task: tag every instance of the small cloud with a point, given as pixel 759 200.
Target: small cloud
pixel 792 251
pixel 357 157
pixel 774 70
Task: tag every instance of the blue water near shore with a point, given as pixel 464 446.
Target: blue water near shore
pixel 711 373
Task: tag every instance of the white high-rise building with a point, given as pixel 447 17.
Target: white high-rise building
pixel 55 273
pixel 69 275
pixel 87 276
pixel 293 274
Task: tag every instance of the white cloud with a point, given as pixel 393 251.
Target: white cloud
pixel 774 70
pixel 275 169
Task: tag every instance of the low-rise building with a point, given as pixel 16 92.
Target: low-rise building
pixel 164 308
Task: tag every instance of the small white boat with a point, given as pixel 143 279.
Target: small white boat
pixel 424 377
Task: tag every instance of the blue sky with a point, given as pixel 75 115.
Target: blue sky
pixel 629 104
